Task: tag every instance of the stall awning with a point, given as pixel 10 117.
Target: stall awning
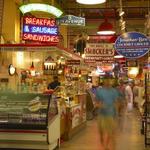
pixel 40 47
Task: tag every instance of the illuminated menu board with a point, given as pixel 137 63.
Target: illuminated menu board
pixel 40 30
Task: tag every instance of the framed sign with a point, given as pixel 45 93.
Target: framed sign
pixel 71 20
pixel 73 62
pixel 99 53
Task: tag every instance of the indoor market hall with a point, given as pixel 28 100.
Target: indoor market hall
pixel 74 74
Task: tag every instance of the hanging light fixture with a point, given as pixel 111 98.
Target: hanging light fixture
pixel 90 2
pixel 105 28
pixel 118 56
pixel 32 69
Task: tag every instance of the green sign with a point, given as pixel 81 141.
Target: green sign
pixel 41 7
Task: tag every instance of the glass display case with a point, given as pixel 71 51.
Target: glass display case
pixel 26 110
pixel 27 119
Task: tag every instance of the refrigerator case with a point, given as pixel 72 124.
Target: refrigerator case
pixel 28 120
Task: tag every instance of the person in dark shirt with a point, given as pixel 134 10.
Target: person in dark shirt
pixel 54 83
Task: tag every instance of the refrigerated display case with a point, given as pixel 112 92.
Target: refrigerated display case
pixel 28 121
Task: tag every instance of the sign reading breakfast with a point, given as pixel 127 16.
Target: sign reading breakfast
pixel 40 30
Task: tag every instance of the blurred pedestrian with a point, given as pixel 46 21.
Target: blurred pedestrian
pixel 129 95
pixel 120 87
pixel 106 98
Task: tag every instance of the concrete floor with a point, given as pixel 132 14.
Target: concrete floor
pixel 128 136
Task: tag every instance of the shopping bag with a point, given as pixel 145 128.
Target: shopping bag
pixel 129 107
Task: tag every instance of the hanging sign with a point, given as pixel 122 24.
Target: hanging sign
pixel 73 62
pixel 99 53
pixel 26 8
pixel 71 20
pixel 40 29
pixel 132 45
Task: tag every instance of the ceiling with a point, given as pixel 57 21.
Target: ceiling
pixel 135 15
pixel 94 14
pixel 132 8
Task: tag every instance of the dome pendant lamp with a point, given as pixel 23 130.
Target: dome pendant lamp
pixel 105 28
pixel 90 2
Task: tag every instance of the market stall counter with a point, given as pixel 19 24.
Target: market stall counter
pixel 72 110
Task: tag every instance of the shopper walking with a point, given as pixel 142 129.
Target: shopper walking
pixel 106 98
pixel 129 95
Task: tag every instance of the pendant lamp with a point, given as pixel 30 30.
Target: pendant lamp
pixel 32 69
pixel 90 2
pixel 105 28
pixel 118 56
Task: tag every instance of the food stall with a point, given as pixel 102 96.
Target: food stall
pixel 72 103
pixel 29 117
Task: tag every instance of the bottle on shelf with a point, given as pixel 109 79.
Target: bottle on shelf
pixel 55 70
pixel 46 69
pixel 52 70
pixel 60 69
pixel 49 70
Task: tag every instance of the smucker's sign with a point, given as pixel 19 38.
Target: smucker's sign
pixel 99 53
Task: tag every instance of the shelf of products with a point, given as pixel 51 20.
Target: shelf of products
pixel 147 109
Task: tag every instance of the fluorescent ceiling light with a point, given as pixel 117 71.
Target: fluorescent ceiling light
pixel 90 2
pixel 118 56
pixel 121 13
pixel 106 32
pixel 41 7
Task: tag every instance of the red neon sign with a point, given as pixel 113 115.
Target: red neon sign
pixel 40 30
pixel 39 21
pixel 40 38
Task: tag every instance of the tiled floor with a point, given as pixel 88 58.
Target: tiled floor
pixel 128 136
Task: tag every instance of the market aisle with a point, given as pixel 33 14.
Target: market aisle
pixel 128 136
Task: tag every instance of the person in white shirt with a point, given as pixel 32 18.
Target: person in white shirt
pixel 139 91
pixel 129 95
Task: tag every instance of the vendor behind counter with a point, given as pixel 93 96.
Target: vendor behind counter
pixel 54 83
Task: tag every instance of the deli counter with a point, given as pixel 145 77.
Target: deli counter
pixel 29 121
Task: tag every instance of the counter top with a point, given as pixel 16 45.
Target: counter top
pixel 81 94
